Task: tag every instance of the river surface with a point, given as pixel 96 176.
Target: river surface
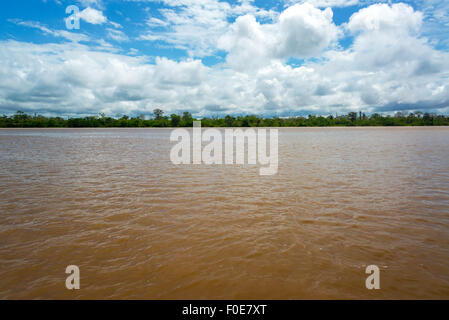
pixel 139 227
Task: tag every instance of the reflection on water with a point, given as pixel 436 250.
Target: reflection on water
pixel 111 202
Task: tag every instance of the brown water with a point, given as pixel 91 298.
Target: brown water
pixel 111 202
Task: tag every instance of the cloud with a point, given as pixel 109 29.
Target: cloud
pixel 301 31
pixel 389 66
pixel 116 35
pixel 90 3
pixel 92 16
pixel 71 36
pixel 436 18
pixel 326 3
pixel 305 31
pixel 196 26
pixel 397 18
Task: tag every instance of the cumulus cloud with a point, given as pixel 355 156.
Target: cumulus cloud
pixel 389 61
pixel 305 31
pixel 397 18
pixel 389 66
pixel 92 16
pixel 196 26
pixel 301 31
pixel 87 81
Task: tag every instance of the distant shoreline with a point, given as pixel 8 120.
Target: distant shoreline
pixel 203 127
pixel 185 120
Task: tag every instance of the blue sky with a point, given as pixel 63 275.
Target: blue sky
pixel 215 57
pixel 132 16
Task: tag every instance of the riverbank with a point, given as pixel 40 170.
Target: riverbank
pixel 158 120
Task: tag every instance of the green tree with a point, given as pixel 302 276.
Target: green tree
pixel 158 114
pixel 22 120
pixel 175 120
pixel 187 119
pixel 352 116
pixel 229 121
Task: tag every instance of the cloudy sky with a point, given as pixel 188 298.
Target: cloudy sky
pixel 216 57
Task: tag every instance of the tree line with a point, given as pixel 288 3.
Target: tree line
pixel 185 119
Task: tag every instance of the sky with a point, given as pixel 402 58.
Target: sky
pixel 217 57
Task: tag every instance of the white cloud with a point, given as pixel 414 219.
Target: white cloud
pixel 71 36
pixel 155 22
pixel 436 18
pixel 196 25
pixel 301 31
pixel 116 35
pixel 388 67
pixel 305 31
pixel 90 3
pixel 326 3
pixel 396 18
pixel 92 16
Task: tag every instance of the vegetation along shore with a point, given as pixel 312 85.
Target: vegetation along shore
pixel 158 119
